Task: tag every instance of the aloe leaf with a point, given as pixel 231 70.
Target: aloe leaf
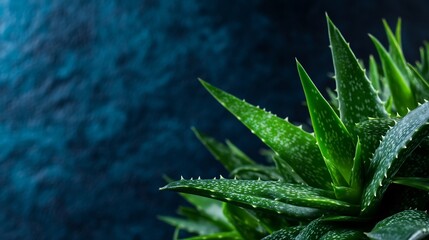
pixel 423 65
pixel 216 236
pixel 352 194
pixel 314 230
pixel 344 234
pixel 370 133
pixel 283 168
pixel 395 49
pixel 409 224
pixel 401 92
pixel 421 90
pixel 285 233
pixel 357 98
pixel 398 32
pixel 208 207
pixel 344 219
pixel 193 214
pixel 398 142
pixel 290 199
pixel 287 171
pixel 230 156
pixel 290 142
pixel 415 182
pixel 245 223
pixel 374 75
pixel 335 142
pixel 272 221
pixel 417 163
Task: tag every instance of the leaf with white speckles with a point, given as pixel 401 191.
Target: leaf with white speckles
pixel 398 142
pixel 344 234
pixel 247 225
pixel 406 225
pixel 288 233
pixel 401 93
pixel 335 142
pixel 370 133
pixel 358 100
pixel 314 230
pixel 415 182
pixel 292 200
pixel 293 144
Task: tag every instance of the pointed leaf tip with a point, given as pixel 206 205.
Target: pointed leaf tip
pixel 357 98
pixel 334 141
pixel 402 95
pixel 292 144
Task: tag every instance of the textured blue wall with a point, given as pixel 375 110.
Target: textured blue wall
pixel 97 98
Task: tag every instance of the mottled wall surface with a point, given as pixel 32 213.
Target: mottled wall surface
pixel 97 98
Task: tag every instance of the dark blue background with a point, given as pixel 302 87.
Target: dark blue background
pixel 98 98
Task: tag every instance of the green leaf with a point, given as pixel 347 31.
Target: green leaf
pixel 344 234
pixel 357 98
pixel 210 208
pixel 246 224
pixel 288 173
pixel 344 219
pixel 416 163
pixel 335 142
pixel 415 182
pixel 374 75
pixel 285 233
pixel 370 133
pixel 230 156
pixel 398 32
pixel 421 88
pixel 292 200
pixel 272 221
pixel 216 236
pixel 398 142
pixel 400 90
pixel 314 230
pixel 352 194
pixel 409 224
pixel 395 49
pixel 423 65
pixel 290 142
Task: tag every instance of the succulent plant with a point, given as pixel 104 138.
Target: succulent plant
pixel 362 174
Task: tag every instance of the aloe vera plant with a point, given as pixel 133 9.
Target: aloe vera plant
pixel 362 174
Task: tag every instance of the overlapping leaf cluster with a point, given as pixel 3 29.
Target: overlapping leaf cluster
pixel 355 177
